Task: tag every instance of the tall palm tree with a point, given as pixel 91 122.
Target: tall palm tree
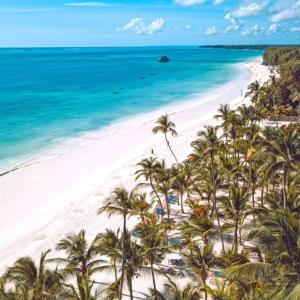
pixel 254 91
pixel 165 126
pixel 238 197
pixel 140 206
pixel 284 148
pixel 225 113
pixel 82 261
pixel 33 281
pixel 211 141
pixel 181 182
pixel 277 234
pixel 200 260
pixel 109 244
pixel 152 241
pixel 149 168
pixel 164 184
pixel 273 88
pixel 120 203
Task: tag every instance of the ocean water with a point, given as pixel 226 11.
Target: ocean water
pixel 50 94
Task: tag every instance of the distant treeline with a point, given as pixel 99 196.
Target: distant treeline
pixel 246 47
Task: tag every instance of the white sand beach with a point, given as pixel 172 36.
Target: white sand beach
pixel 60 193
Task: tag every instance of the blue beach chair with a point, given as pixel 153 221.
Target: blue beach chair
pixel 158 210
pixel 171 199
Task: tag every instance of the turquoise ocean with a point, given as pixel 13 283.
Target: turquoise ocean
pixel 48 95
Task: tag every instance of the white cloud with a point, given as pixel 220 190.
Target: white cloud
pixel 217 2
pixel 211 30
pixel 88 4
pixel 252 30
pixel 138 26
pixel 195 2
pixel 189 2
pixel 295 29
pixel 273 28
pixel 234 24
pixel 249 9
pixel 188 27
pixel 289 13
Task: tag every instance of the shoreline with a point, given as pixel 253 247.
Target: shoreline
pixel 48 199
pixel 62 146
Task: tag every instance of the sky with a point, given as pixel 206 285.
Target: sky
pixel 60 23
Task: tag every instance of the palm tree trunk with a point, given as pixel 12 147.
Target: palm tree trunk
pixel 115 270
pixel 240 233
pixel 123 257
pixel 299 111
pixel 181 202
pixel 235 242
pixel 130 288
pixel 168 206
pixel 156 194
pixel 153 280
pixel 262 197
pixel 168 143
pixel 221 234
pixel 205 291
pixel 253 196
pixel 284 186
pixel 214 192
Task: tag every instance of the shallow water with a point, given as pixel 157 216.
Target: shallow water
pixel 48 95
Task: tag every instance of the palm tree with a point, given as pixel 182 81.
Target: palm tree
pixel 120 203
pixel 254 91
pixel 164 184
pixel 238 197
pixel 198 227
pixel 173 292
pixel 211 141
pixel 220 292
pixel 249 275
pixel 109 244
pixel 296 98
pixel 182 181
pixel 200 259
pixel 152 241
pixel 277 234
pixel 149 169
pixel 31 281
pixel 140 206
pixel 225 113
pixel 274 88
pixel 165 126
pixel 82 262
pixel 284 149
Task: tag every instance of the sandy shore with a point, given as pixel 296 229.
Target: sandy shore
pixel 59 194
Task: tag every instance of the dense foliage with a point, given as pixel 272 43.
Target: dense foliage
pixel 275 56
pixel 246 47
pixel 280 97
pixel 229 211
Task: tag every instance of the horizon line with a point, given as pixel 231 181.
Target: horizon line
pixel 143 46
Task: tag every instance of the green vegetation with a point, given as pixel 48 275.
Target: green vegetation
pixel 275 56
pixel 246 47
pixel 280 97
pixel 229 213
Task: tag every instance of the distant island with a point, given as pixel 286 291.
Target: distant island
pixel 246 47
